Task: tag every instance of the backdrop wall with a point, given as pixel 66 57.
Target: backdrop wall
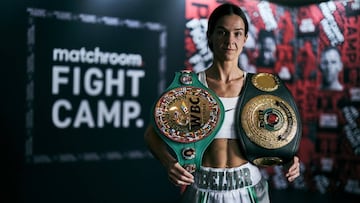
pixel 82 77
pixel 298 36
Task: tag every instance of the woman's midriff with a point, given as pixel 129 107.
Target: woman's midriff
pixel 223 153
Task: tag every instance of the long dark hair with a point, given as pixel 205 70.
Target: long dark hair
pixel 223 10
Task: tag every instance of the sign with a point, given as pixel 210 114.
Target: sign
pixel 87 85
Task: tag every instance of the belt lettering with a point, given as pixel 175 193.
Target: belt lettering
pixel 195 112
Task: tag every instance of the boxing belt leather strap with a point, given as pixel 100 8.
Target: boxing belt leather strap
pixel 267 121
pixel 187 117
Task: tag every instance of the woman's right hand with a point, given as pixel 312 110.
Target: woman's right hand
pixel 178 175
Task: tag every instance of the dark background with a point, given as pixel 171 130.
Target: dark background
pixel 125 180
pixel 128 180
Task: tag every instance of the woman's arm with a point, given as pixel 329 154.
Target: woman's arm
pixel 177 174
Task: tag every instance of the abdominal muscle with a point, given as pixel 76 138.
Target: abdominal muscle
pixel 223 153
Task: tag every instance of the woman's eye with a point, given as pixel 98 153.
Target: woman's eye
pixel 221 33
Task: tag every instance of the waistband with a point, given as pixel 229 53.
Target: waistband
pixel 227 178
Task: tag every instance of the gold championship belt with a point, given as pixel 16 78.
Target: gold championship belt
pixel 268 122
pixel 187 117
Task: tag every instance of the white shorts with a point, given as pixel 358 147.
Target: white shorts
pixel 242 184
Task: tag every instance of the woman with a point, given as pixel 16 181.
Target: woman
pixel 227 34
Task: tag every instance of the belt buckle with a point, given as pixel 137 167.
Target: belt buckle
pixel 187 116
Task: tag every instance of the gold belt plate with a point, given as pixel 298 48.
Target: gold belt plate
pixel 269 121
pixel 187 114
pixel 266 82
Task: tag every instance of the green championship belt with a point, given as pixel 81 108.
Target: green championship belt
pixel 268 122
pixel 187 117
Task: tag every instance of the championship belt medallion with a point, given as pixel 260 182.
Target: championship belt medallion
pixel 268 122
pixel 187 117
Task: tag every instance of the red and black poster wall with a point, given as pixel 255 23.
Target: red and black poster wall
pixel 315 49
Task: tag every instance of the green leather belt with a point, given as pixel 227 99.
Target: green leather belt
pixel 187 117
pixel 268 122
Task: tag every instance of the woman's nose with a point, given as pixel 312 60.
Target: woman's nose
pixel 230 39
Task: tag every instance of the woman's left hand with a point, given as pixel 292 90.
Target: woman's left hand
pixel 294 170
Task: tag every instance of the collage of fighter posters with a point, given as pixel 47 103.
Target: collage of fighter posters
pixel 315 49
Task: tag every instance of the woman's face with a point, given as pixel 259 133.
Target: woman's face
pixel 228 38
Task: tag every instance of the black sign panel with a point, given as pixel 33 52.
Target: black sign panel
pixel 90 83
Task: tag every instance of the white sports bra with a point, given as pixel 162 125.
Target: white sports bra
pixel 227 130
